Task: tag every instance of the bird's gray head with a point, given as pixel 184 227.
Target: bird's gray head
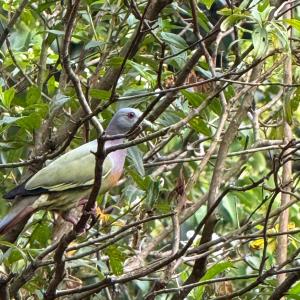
pixel 123 121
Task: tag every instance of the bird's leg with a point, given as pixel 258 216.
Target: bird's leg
pixel 92 212
pixel 67 216
pixel 94 216
pixel 71 218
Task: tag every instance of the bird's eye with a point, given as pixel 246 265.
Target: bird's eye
pixel 131 115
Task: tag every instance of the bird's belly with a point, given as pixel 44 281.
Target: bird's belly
pixel 65 200
pixel 62 201
pixel 110 181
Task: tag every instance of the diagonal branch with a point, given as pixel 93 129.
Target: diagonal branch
pixel 12 21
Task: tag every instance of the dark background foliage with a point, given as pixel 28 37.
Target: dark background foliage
pixel 205 192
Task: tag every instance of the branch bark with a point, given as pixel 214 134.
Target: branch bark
pixel 286 172
pixel 12 21
pixel 200 264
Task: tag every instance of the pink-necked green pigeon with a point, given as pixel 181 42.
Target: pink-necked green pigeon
pixel 66 181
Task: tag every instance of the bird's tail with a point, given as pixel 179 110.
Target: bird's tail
pixel 21 209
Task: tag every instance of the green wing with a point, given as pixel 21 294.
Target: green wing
pixel 73 169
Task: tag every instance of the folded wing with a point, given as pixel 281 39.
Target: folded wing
pixel 72 170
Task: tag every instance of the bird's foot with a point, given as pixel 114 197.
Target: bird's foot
pixel 96 213
pixel 94 216
pixel 101 214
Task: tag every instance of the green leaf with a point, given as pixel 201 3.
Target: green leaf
pixel 281 34
pixel 216 107
pixel 260 41
pixel 10 145
pixel 152 195
pixel 276 133
pixel 143 183
pixel 226 11
pixel 116 61
pixel 56 32
pixel 136 156
pixel 258 162
pixel 15 253
pixel 41 234
pixel 194 99
pixel 131 193
pixel 200 126
pixel 217 269
pixel 33 95
pixel 31 122
pixel 295 100
pixel 288 111
pixel 203 21
pixel 245 4
pixel 293 296
pixel 227 209
pixel 96 2
pixel 179 60
pixel 142 70
pixel 52 85
pixel 230 21
pixel 174 39
pixel 8 96
pixel 293 22
pixel 263 5
pixel 8 120
pixel 163 206
pixel 93 44
pixel 295 290
pixel 211 273
pixel 59 100
pixel 207 3
pixel 116 259
pixel 100 94
pixel 42 7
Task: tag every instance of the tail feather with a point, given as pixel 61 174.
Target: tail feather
pixel 22 209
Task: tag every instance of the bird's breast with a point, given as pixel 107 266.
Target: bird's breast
pixel 117 159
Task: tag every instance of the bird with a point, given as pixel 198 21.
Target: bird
pixel 67 181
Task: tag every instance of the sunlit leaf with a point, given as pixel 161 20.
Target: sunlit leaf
pixel 260 42
pixel 263 5
pixel 230 21
pixel 7 97
pixel 116 259
pixel 152 195
pixel 257 244
pixel 41 234
pixel 174 39
pixel 211 273
pixel 136 157
pixel 33 95
pixel 200 126
pixel 8 120
pixel 293 22
pixel 100 94
pixel 207 3
pixel 194 99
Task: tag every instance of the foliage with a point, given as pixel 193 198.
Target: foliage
pixel 213 79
